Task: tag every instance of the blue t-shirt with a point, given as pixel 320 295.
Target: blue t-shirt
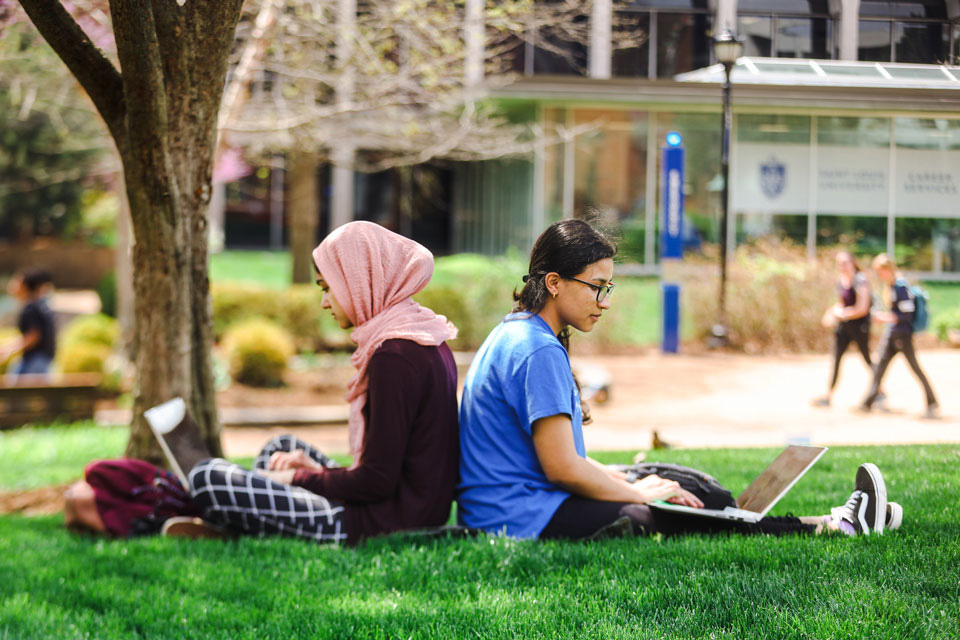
pixel 520 374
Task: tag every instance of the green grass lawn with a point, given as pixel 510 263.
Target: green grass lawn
pixel 905 584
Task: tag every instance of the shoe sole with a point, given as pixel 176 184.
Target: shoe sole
pixel 870 481
pixel 894 516
pixel 195 528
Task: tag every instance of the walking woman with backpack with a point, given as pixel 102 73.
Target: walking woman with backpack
pixel 850 317
pixel 524 471
pixel 902 319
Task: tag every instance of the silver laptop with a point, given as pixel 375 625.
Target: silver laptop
pixel 765 491
pixel 178 436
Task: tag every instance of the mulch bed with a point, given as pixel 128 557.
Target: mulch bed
pixel 33 502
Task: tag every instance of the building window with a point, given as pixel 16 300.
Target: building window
pixel 675 42
pixel 757 34
pixel 610 169
pixel 916 32
pixel 875 41
pixel 633 62
pixel 788 29
pixel 683 43
pixel 921 42
pixel 803 38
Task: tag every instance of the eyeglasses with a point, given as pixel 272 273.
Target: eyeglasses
pixel 603 290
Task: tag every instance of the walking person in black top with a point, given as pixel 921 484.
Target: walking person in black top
pixel 898 337
pixel 850 317
pixel 38 339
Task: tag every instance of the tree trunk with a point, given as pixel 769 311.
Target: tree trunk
pixel 304 213
pixel 162 114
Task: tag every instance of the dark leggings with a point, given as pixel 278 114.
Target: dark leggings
pixel 579 518
pixel 893 343
pixel 857 331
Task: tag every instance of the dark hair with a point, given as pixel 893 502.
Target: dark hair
pixel 567 248
pixel 33 279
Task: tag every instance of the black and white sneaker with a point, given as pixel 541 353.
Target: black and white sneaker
pixel 851 518
pixel 870 482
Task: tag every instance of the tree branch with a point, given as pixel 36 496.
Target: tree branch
pixel 96 74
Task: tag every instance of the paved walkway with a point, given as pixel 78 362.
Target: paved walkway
pixel 732 401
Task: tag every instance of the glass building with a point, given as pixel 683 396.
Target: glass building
pixel 846 130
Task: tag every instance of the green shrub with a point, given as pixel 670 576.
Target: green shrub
pixel 83 357
pixel 7 335
pixel 775 297
pixel 96 329
pixel 451 303
pixel 944 322
pixel 257 350
pixel 297 309
pixel 107 292
pixel 235 302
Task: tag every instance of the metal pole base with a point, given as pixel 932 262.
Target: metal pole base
pixel 718 337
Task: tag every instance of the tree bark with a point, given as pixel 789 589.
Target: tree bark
pixel 304 213
pixel 162 112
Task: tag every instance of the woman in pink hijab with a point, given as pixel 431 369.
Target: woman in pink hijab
pixel 403 411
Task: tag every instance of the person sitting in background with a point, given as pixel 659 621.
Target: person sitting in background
pixel 898 337
pixel 403 412
pixel 38 339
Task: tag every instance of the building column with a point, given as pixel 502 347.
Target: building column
pixel 726 16
pixel 341 199
pixel 601 20
pixel 848 29
pixel 473 39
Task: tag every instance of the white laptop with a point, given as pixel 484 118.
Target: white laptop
pixel 178 436
pixel 765 491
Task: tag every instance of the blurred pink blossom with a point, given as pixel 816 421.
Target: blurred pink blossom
pixel 230 166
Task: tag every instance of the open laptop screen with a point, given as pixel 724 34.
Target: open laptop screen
pixel 178 435
pixel 778 478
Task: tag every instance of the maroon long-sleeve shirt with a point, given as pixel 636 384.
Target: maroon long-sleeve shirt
pixel 407 473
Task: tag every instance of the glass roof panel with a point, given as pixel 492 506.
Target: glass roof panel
pixel 793 67
pixel 774 71
pixel 917 73
pixel 860 71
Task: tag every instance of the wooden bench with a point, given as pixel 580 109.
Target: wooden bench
pixel 38 399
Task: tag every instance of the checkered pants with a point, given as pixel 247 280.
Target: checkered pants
pixel 246 502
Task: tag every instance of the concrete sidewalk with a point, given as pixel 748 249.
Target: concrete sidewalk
pixel 721 400
pixel 732 400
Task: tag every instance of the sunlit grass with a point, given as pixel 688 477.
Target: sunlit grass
pixel 905 584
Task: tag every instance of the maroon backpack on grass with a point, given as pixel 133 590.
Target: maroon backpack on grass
pixel 135 498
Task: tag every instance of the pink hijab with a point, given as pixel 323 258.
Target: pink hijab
pixel 373 272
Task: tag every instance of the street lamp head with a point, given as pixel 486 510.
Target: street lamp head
pixel 727 47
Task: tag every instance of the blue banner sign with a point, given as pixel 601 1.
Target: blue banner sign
pixel 672 184
pixel 671 241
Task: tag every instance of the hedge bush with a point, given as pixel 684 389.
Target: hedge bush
pixel 93 329
pixel 257 350
pixel 297 309
pixel 86 344
pixel 83 357
pixel 7 335
pixel 945 322
pixel 775 297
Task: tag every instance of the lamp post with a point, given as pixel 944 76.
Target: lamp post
pixel 727 47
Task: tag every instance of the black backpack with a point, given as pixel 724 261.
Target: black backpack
pixel 704 486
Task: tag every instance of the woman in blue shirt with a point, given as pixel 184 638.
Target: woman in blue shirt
pixel 523 467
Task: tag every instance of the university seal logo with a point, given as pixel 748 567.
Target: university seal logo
pixel 773 177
